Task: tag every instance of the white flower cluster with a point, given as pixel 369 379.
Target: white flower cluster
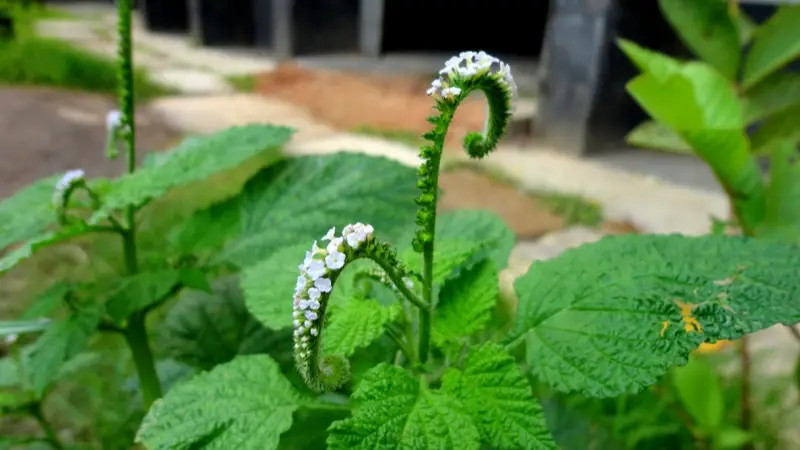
pixel 67 180
pixel 314 280
pixel 468 65
pixel 113 120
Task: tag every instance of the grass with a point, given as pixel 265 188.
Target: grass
pixel 30 60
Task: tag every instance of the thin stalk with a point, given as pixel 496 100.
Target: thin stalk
pixel 746 407
pixel 50 433
pixel 397 337
pixel 136 332
pixel 427 296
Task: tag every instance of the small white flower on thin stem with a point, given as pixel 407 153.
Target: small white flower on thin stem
pixel 64 183
pixel 468 65
pixel 113 120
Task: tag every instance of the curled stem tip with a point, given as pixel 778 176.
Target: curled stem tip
pixel 461 75
pixel 318 274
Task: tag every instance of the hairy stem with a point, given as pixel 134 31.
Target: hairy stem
pixel 50 433
pixel 427 296
pixel 136 337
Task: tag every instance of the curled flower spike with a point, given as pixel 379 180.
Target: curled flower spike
pixel 461 75
pixel 318 273
pixel 65 184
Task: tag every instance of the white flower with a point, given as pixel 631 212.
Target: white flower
pixel 311 315
pixel 451 92
pixel 296 323
pixel 316 269
pixel 303 304
pixel 11 339
pixel 296 314
pixel 323 284
pixel 315 250
pixel 314 305
pixel 313 331
pixel 307 324
pixel 335 245
pixel 469 65
pixel 329 236
pixel 302 281
pixel 113 120
pixel 314 294
pixel 335 260
pixel 408 282
pixel 65 182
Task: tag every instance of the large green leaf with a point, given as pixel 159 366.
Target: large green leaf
pixel 206 330
pixel 194 160
pixel 598 329
pixel 357 324
pixel 499 399
pixel 466 303
pixel 480 226
pixel 782 218
pixel 245 404
pixel 699 105
pixel 776 44
pixel 60 343
pixel 28 212
pixel 450 256
pixel 17 327
pixel 657 136
pixel 47 301
pixel 139 292
pixel 779 92
pixel 699 390
pixel 394 411
pixel 299 199
pixel 782 126
pixel 25 250
pixel 708 29
pixel 208 229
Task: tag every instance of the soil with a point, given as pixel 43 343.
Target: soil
pixel 46 131
pixel 348 100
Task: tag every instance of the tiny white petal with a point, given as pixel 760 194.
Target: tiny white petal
pixel 314 294
pixel 323 284
pixel 310 315
pixel 313 331
pixel 329 235
pixel 307 324
pixel 314 305
pixel 316 269
pixel 335 261
pixel 113 120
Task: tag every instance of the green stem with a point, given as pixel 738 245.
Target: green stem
pixel 397 337
pixel 427 296
pixel 49 431
pixel 136 337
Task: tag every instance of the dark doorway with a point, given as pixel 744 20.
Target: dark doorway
pixel 229 23
pixel 507 28
pixel 325 26
pixel 165 15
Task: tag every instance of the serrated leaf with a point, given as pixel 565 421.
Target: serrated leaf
pixel 47 301
pixel 699 390
pixel 782 216
pixel 207 229
pixel 708 30
pixel 297 200
pixel 356 324
pixel 268 286
pixel 140 291
pixel 449 256
pixel 28 212
pixel 16 327
pixel 498 397
pixel 775 45
pixel 392 411
pixel 310 428
pixel 776 94
pixel 206 330
pixel 466 303
pixel 478 226
pixel 25 250
pixel 252 405
pixel 59 344
pixel 194 160
pixel 656 136
pixel 599 330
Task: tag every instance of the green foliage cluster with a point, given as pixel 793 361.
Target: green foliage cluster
pixel 411 317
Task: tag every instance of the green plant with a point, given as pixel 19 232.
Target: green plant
pixel 382 346
pixel 736 105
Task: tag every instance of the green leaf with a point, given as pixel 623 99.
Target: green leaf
pixel 310 428
pixel 775 45
pixel 648 61
pixel 59 344
pixel 479 226
pixel 449 257
pixel 194 160
pixel 466 303
pixel 299 199
pixel 28 212
pixel 746 25
pixel 268 286
pixel 245 404
pixel 393 411
pixel 194 278
pixel 498 397
pixel 207 229
pixel 205 330
pixel 782 217
pixel 598 330
pixel 708 30
pixel 25 250
pixel 703 109
pixel 777 127
pixel 357 324
pixel 778 93
pixel 731 438
pixel 656 136
pixel 16 327
pixel 47 301
pixel 140 291
pixel 700 393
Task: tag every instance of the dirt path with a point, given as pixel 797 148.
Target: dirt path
pixel 46 131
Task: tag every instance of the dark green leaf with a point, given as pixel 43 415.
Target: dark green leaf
pixel 782 218
pixel 47 301
pixel 194 278
pixel 778 93
pixel 466 303
pixel 139 292
pixel 775 45
pixel 208 229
